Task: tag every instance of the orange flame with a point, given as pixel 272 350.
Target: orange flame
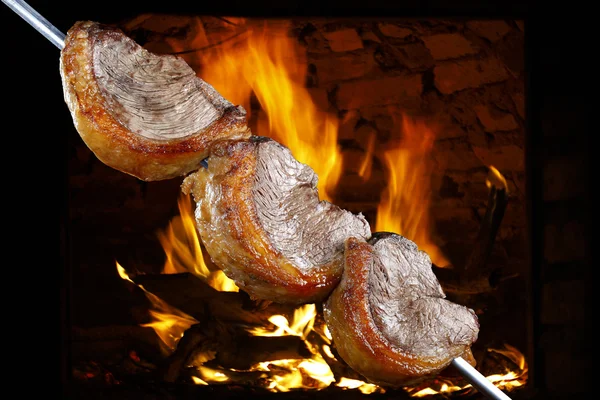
pixel 495 178
pixel 184 252
pixel 508 380
pixel 270 65
pixel 404 204
pixel 366 166
pixel 266 63
pixel 169 323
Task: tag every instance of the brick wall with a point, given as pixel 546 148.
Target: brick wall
pixel 465 76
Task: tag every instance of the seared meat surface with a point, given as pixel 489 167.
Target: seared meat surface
pixel 389 317
pixel 260 218
pixel 144 114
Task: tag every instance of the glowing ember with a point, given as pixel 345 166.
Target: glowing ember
pixel 404 207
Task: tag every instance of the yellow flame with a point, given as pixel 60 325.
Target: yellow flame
pixel 270 64
pixel 283 375
pixel 302 323
pixel 198 381
pixel 509 380
pixel 212 375
pixel 183 251
pixel 266 63
pixel 367 165
pixel 495 178
pixel 365 388
pixel 404 206
pixel 169 323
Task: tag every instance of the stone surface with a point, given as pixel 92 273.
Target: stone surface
pixel 316 43
pixel 369 36
pixel 491 30
pixel 353 188
pixel 403 89
pixel 519 100
pixel 452 76
pixel 509 158
pixel 476 136
pixel 415 56
pixel 320 98
pixel 446 127
pixel 347 125
pixel 511 50
pixel 355 160
pixel 366 136
pixel 448 45
pixel 343 67
pixel 494 120
pixel 344 40
pixel 455 156
pixel 452 209
pixel 393 30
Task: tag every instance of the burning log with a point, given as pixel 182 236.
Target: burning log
pixel 106 341
pixel 244 351
pixel 231 347
pixel 497 201
pixel 476 276
pixel 196 298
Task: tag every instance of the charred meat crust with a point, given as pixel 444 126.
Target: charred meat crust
pixel 350 314
pixel 238 241
pixel 101 120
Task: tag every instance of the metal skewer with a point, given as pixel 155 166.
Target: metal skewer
pixel 478 381
pixel 55 36
pixel 41 24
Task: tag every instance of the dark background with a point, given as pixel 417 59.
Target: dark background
pixel 37 129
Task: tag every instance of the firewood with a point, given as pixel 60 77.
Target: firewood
pixel 476 276
pixel 111 341
pixel 246 351
pixel 191 295
pixel 494 213
pixel 229 346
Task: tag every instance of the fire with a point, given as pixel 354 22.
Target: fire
pixel 183 250
pixel 510 379
pixel 266 63
pixel 404 206
pixel 169 323
pixel 270 65
pixel 495 178
pixel 287 374
pixel 367 165
pixel 302 323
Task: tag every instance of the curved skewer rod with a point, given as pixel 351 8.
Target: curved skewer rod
pixel 478 381
pixel 40 23
pixel 55 36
